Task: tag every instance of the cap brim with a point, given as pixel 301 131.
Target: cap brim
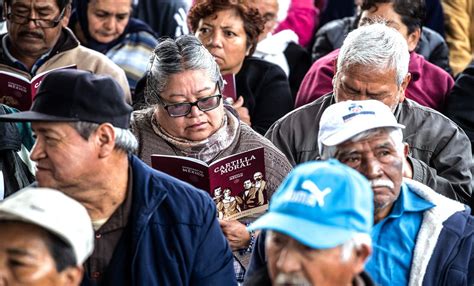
pixel 340 137
pixel 30 116
pixel 310 233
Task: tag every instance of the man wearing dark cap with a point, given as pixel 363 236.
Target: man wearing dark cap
pixel 150 229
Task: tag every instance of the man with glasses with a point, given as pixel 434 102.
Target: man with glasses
pixel 150 229
pixel 38 40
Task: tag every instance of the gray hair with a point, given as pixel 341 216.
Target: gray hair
pixel 174 56
pixel 375 46
pixel 395 134
pixel 124 138
pixel 354 243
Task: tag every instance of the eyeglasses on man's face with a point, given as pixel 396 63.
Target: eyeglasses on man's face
pixel 184 108
pixel 22 18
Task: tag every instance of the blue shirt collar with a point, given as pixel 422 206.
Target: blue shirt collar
pixel 408 201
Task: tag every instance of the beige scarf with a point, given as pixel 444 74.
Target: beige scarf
pixel 208 149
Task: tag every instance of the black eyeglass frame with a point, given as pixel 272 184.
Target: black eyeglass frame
pixel 50 23
pixel 166 106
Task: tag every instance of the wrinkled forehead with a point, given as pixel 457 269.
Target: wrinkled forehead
pixel 37 4
pixel 367 142
pixel 51 126
pixel 375 75
pixel 266 6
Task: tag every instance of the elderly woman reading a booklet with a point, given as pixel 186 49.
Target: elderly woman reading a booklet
pixel 187 117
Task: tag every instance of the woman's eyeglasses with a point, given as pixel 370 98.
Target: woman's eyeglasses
pixel 183 109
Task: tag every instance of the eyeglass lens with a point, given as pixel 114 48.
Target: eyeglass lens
pixel 204 104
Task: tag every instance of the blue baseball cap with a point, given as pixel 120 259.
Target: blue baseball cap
pixel 321 204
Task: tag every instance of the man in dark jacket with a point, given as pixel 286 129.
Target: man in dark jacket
pixel 150 229
pixel 440 152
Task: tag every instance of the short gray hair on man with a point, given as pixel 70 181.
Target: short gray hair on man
pixel 124 138
pixel 395 133
pixel 354 243
pixel 377 47
pixel 174 56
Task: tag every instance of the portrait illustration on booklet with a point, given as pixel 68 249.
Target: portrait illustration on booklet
pixel 236 183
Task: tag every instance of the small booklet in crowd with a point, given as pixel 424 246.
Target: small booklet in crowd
pixel 18 91
pixel 236 183
pixel 230 91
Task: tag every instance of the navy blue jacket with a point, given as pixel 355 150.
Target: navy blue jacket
pixel 172 238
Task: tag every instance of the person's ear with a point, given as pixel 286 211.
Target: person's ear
pixel 404 86
pixel 67 15
pixel 406 149
pixel 247 52
pixel 105 139
pixel 413 39
pixel 360 257
pixel 71 276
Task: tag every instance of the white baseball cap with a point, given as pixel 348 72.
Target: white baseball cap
pixel 56 213
pixel 343 120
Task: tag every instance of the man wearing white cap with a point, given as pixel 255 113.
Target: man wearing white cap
pixel 373 64
pixel 318 227
pixel 44 239
pixel 420 237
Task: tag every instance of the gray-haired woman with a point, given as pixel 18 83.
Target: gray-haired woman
pixel 187 117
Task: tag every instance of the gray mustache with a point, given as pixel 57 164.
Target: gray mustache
pixel 34 34
pixel 382 183
pixel 291 279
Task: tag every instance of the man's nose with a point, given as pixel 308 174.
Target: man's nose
pixel 372 168
pixel 216 39
pixel 288 261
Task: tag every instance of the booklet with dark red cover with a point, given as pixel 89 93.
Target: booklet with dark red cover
pixel 236 183
pixel 18 91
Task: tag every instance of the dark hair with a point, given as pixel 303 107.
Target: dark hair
pixel 412 12
pixel 61 3
pixel 61 252
pixel 254 23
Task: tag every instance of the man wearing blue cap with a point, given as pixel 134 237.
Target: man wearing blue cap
pixel 150 229
pixel 318 226
pixel 420 237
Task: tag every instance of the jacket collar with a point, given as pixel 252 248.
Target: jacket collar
pixel 66 41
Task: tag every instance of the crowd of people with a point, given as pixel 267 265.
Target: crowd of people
pixel 361 110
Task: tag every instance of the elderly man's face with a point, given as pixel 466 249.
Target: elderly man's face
pixel 269 10
pixel 378 159
pixel 359 82
pixel 292 263
pixel 64 159
pixel 30 40
pixel 25 258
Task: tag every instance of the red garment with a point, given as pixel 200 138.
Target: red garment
pixel 429 84
pixel 302 18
